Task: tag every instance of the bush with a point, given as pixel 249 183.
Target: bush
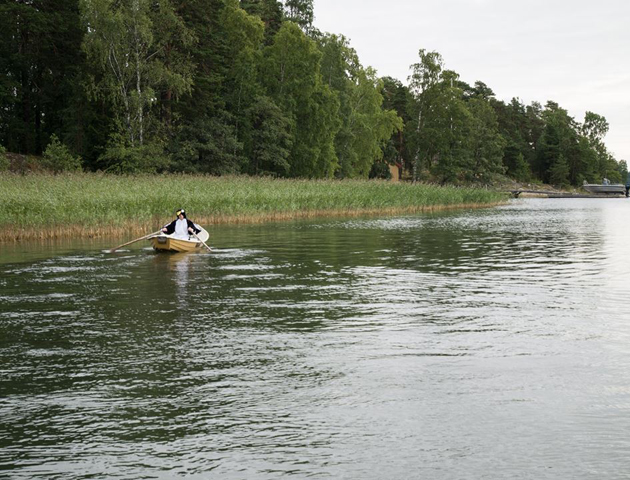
pixel 4 161
pixel 58 158
pixel 120 158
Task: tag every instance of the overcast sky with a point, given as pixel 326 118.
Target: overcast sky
pixel 574 52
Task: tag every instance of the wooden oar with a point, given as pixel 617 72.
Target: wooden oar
pixel 134 241
pixel 202 242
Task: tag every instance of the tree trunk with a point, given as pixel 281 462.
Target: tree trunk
pixel 167 96
pixel 167 113
pixel 139 92
pixel 25 140
pixel 140 110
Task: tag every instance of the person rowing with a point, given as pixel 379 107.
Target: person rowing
pixel 181 227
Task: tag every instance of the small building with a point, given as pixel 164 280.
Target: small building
pixel 394 170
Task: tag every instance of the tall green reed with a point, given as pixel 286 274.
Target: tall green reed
pixel 93 199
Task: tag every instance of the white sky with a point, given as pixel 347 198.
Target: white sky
pixel 574 52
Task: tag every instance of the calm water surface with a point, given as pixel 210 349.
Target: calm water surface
pixel 479 344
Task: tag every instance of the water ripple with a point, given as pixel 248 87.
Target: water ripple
pixel 484 344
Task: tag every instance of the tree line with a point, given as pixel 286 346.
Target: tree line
pixel 253 87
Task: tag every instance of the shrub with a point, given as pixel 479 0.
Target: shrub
pixel 58 158
pixel 4 161
pixel 122 159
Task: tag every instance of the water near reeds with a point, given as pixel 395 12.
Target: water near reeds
pixel 479 344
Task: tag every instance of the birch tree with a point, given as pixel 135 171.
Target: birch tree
pixel 425 76
pixel 365 125
pixel 129 61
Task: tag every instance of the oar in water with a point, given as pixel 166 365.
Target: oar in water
pixel 202 242
pixel 134 241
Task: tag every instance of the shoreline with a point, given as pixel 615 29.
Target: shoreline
pixel 131 229
pixel 97 205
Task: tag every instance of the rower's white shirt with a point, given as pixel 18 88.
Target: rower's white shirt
pixel 181 229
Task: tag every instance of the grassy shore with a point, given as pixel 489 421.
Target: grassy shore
pixel 91 205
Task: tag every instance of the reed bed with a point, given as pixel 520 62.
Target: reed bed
pixel 40 206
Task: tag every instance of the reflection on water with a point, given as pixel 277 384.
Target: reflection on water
pixel 481 344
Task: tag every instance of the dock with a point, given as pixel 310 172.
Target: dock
pixel 553 194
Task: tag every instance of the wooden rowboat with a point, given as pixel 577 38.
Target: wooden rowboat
pixel 171 243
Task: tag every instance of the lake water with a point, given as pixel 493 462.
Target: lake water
pixel 488 344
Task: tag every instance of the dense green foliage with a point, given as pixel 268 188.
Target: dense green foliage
pixel 58 158
pixel 105 200
pixel 4 161
pixel 252 87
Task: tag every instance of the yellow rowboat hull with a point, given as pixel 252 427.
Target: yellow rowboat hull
pixel 169 243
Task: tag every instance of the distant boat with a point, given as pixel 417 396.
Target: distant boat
pixel 605 188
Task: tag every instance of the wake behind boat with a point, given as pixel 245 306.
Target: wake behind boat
pixel 176 243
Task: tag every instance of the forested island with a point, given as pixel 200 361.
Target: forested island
pixel 223 87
